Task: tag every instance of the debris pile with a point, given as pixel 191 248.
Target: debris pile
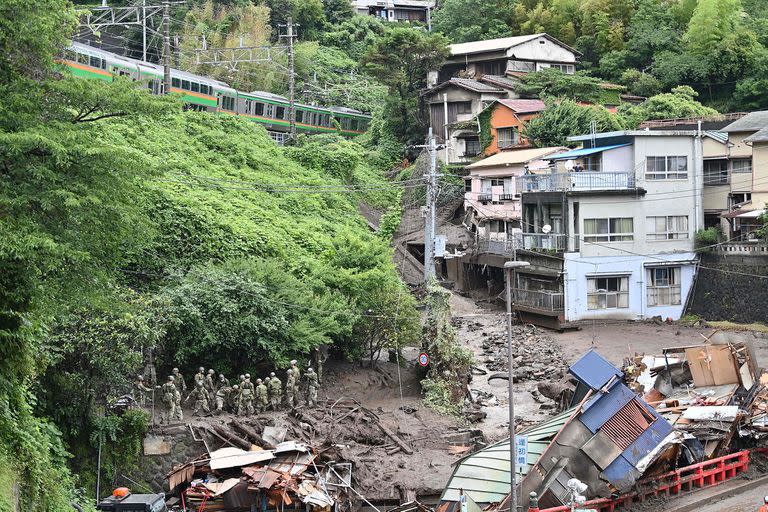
pixel 536 356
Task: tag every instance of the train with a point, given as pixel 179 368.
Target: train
pixel 209 95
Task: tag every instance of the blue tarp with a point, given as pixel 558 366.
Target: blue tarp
pixel 578 153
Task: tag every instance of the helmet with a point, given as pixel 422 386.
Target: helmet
pixel 170 378
pixel 221 376
pixel 289 371
pixel 235 386
pixel 201 369
pixel 175 370
pixel 211 371
pixel 242 377
pixel 247 375
pixel 310 370
pixel 293 362
pixel 258 381
pixel 141 377
pixel 272 374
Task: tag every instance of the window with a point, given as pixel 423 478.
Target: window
pixel 506 137
pixel 204 89
pixel 742 165
pixel 666 168
pixel 609 230
pixel 185 85
pixel 497 226
pixel 258 109
pixel 664 286
pixel 468 185
pixel 463 107
pixel 278 137
pixel 716 172
pixel 175 82
pixel 269 110
pixel 97 62
pixel 667 228
pixel 228 103
pixel 195 87
pixel 607 292
pixel 738 198
pixel 280 112
pixel 471 147
pixel 82 58
pixel 299 116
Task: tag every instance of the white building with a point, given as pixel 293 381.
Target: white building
pixel 396 10
pixel 621 213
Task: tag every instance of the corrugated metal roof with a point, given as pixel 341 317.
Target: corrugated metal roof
pixel 514 157
pixel 752 122
pixel 524 106
pixel 490 45
pixel 577 153
pixel 484 475
pixel 593 370
pixel 720 137
pixel 474 85
pixel 501 81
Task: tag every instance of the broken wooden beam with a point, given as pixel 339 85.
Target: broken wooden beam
pixel 250 433
pixel 399 442
pixel 230 437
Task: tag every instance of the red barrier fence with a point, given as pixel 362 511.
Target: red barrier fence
pixel 688 478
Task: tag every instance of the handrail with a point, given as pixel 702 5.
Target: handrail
pixel 577 181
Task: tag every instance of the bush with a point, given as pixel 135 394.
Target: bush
pixel 707 237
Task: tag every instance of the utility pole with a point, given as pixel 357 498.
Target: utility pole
pixel 429 228
pixel 144 30
pixel 166 46
pixel 291 80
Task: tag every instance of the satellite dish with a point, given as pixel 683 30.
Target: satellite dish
pixel 546 229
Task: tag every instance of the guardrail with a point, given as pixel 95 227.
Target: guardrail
pixel 544 242
pixel 703 474
pixel 576 181
pixel 548 301
pixel 484 197
pixel 760 248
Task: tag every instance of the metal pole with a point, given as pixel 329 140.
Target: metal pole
pixel 445 125
pixel 429 228
pixel 98 474
pixel 144 30
pixel 166 47
pixel 510 361
pixel 291 81
pixel 429 18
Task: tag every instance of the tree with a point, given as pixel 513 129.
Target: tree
pixel 401 60
pixel 565 118
pixel 554 83
pixel 681 102
pixel 712 21
pixel 472 20
pixel 338 11
pixel 641 84
pixel 651 30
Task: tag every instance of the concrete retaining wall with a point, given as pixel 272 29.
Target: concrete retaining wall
pixel 729 295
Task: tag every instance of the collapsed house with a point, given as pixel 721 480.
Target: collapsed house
pixel 625 426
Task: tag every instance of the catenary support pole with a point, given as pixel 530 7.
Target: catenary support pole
pixel 144 30
pixel 166 46
pixel 291 81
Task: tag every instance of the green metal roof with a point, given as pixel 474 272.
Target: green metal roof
pixel 484 475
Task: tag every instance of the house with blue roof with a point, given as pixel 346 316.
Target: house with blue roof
pixel 619 214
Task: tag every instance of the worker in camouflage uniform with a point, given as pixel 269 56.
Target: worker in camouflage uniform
pixel 233 399
pixel 290 385
pixel 200 376
pixel 245 405
pixel 222 398
pixel 172 400
pixel 311 378
pixel 210 382
pixel 202 399
pixel 140 391
pixel 296 381
pixel 179 380
pixel 223 382
pixel 262 396
pixel 275 391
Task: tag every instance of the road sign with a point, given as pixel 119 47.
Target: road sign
pixel 423 359
pixel 521 451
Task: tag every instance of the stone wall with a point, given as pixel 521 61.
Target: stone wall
pixel 730 295
pixel 164 449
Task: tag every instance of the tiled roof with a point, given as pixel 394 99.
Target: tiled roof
pixel 501 81
pixel 752 122
pixel 524 106
pixel 761 136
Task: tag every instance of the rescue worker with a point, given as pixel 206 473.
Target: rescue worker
pixel 233 399
pixel 140 391
pixel 200 376
pixel 275 391
pixel 223 382
pixel 245 404
pixel 222 398
pixel 210 383
pixel 290 385
pixel 179 380
pixel 201 398
pixel 311 378
pixel 171 400
pixel 262 396
pixel 296 381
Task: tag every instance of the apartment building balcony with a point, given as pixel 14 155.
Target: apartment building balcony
pixel 577 182
pixel 550 242
pixel 539 300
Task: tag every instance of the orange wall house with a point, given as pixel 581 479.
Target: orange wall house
pixel 507 120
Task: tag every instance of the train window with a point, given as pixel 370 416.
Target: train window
pixel 309 118
pixel 204 89
pixel 299 116
pixel 70 55
pixel 95 62
pixel 228 103
pixel 185 85
pixel 269 111
pixel 195 87
pixel 82 58
pixel 280 112
pixel 175 82
pixel 258 109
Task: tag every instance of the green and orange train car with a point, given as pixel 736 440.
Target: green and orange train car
pixel 206 94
